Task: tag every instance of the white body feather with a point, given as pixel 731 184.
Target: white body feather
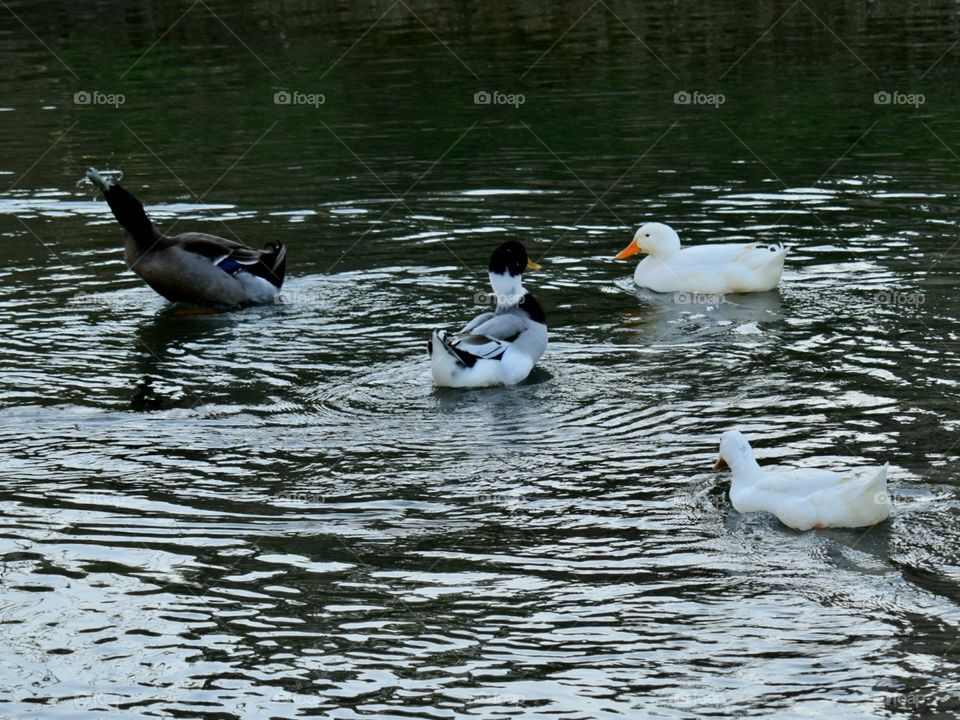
pixel 709 269
pixel 507 342
pixel 804 498
pixel 512 367
pixel 714 269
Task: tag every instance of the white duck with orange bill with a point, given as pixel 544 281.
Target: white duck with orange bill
pixel 717 268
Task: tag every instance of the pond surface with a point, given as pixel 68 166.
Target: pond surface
pixel 272 513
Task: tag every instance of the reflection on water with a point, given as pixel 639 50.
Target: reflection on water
pixel 271 513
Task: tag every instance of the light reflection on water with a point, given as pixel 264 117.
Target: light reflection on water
pixel 272 512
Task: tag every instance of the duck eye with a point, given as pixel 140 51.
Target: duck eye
pixel 646 235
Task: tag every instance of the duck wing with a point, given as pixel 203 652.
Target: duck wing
pixel 506 326
pixel 852 484
pixel 809 483
pixel 217 248
pixel 703 257
pixel 481 318
pixel 488 337
pixel 481 346
pixel 490 334
pixel 708 256
pixel 467 349
pixel 801 482
pixel 232 256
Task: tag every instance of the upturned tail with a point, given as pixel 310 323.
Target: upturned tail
pixel 273 264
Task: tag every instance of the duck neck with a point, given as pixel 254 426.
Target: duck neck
pixel 141 235
pixel 136 246
pixel 507 288
pixel 745 467
pixel 664 252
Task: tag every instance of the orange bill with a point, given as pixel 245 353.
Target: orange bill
pixel 531 265
pixel 628 251
pixel 721 464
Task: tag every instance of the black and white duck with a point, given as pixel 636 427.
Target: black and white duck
pixel 499 347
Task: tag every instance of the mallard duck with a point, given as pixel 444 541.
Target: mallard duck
pixel 708 269
pixel 803 498
pixel 193 267
pixel 499 347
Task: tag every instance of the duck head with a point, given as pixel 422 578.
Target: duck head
pixel 735 451
pixel 507 265
pixel 655 239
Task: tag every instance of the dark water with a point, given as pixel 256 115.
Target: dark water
pixel 272 513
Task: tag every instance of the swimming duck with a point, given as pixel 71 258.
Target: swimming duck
pixel 499 347
pixel 709 269
pixel 803 498
pixel 193 267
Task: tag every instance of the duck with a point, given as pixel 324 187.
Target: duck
pixel 803 498
pixel 708 269
pixel 193 267
pixel 500 347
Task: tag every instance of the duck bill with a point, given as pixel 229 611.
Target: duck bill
pixel 531 265
pixel 629 251
pixel 720 464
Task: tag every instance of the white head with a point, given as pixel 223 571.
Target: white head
pixel 655 239
pixel 735 451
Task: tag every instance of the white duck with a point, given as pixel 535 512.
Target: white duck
pixel 708 269
pixel 803 498
pixel 499 347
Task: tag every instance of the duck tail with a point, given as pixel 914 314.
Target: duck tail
pixel 879 481
pixel 272 266
pixel 778 251
pixel 876 497
pixel 445 363
pixel 126 208
pixel 462 358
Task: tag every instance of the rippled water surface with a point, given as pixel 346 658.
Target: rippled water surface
pixel 272 513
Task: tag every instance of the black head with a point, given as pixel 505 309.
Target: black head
pixel 511 257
